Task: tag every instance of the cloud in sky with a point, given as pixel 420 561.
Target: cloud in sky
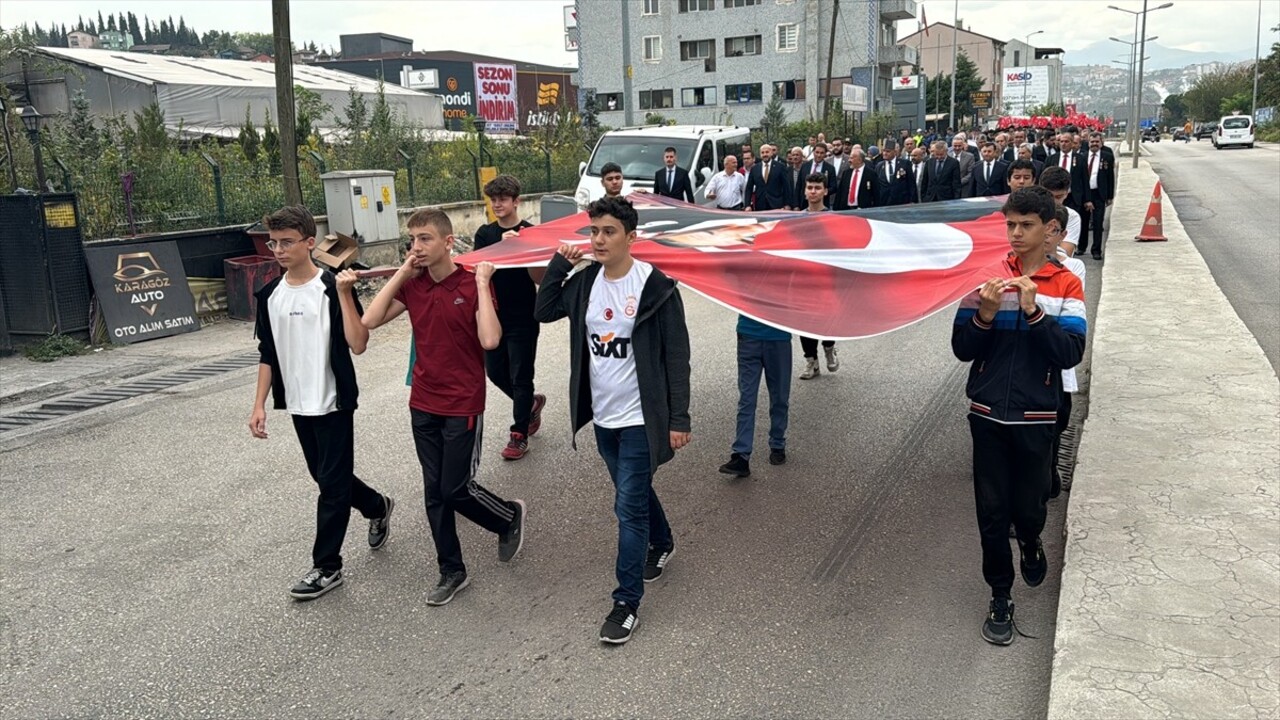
pixel 533 30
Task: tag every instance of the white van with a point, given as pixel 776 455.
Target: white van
pixel 1233 130
pixel 700 149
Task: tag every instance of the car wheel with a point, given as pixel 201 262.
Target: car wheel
pixel 1250 146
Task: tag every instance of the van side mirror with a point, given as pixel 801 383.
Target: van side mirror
pixel 706 174
pixel 582 168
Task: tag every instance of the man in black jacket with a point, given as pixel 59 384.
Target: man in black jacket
pixel 897 184
pixel 989 174
pixel 1100 190
pixel 857 187
pixel 767 183
pixel 818 165
pixel 672 180
pixel 629 374
pixel 294 311
pixel 941 176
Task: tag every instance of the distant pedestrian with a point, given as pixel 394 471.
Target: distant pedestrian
pixel 1018 332
pixel 454 321
pixel 510 365
pixel 809 345
pixel 629 375
pixel 308 325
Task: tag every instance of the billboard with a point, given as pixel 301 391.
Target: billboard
pixel 497 100
pixel 1031 83
pixel 853 98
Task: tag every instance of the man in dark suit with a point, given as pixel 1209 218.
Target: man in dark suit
pixel 989 174
pixel 672 180
pixel 819 164
pixel 795 179
pixel 858 186
pixel 1026 151
pixel 941 176
pixel 767 182
pixel 918 157
pixel 897 184
pixel 1100 191
pixel 1067 159
pixel 960 151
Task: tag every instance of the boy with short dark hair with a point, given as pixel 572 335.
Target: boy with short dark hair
pixel 1058 182
pixel 1018 332
pixel 308 325
pixel 629 375
pixel 809 345
pixel 454 321
pixel 511 365
pixel 611 179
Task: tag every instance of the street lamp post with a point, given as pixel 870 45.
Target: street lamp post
pixel 479 124
pixel 1257 55
pixel 1026 81
pixel 1140 37
pixel 31 121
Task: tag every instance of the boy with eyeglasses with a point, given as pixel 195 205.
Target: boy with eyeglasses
pixel 308 325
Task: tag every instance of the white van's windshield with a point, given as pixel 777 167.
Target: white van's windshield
pixel 639 157
pixel 1236 123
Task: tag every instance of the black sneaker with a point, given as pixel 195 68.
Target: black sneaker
pixel 447 587
pixel 619 625
pixel 998 627
pixel 1034 569
pixel 737 465
pixel 510 542
pixel 315 583
pixel 380 528
pixel 656 561
pixel 777 456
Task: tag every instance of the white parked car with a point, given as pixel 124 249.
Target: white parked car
pixel 1234 130
pixel 700 149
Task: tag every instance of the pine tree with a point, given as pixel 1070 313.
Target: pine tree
pixel 248 138
pixel 111 22
pixel 355 115
pixel 182 37
pixel 80 24
pixel 37 35
pixel 382 119
pixel 122 23
pixel 84 134
pixel 135 29
pixel 92 29
pixel 270 142
pixel 150 128
pixel 102 26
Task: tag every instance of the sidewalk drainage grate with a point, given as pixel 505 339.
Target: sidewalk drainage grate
pixel 88 400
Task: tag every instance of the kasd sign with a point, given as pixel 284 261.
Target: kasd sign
pixel 142 290
pixel 497 100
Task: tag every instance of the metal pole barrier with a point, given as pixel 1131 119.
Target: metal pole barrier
pixel 217 188
pixel 408 166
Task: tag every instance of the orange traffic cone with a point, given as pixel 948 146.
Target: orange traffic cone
pixel 1153 226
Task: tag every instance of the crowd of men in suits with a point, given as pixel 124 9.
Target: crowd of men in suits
pixel 911 169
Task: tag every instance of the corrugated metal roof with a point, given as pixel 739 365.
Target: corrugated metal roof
pixel 178 70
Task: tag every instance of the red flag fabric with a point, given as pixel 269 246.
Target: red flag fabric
pixel 831 275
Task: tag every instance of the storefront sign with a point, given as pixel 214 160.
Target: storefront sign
pixel 497 99
pixel 142 290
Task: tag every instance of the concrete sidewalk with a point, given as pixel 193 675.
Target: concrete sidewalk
pixel 1170 603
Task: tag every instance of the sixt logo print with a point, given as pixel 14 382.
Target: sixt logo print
pixel 609 346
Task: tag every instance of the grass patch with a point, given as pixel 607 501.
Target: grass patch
pixel 53 347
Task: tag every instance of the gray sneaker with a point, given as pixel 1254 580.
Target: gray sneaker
pixel 833 359
pixel 448 586
pixel 510 542
pixel 380 528
pixel 315 583
pixel 811 369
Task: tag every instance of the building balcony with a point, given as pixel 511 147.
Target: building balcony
pixel 897 55
pixel 897 9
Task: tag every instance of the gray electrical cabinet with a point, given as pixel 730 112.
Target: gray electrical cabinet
pixel 362 204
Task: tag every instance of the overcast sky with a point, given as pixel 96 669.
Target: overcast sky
pixel 533 30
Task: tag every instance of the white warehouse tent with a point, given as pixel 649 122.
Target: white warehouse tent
pixel 204 96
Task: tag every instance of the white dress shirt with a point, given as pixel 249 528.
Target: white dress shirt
pixel 727 187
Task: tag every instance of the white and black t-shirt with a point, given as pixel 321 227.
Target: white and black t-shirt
pixel 300 325
pixel 611 316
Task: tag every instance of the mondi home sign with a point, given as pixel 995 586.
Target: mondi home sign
pixel 142 290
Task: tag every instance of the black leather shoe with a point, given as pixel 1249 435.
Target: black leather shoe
pixel 737 465
pixel 777 456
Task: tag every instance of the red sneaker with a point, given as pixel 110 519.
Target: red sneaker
pixel 516 447
pixel 535 417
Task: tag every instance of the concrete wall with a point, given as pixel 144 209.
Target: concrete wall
pixel 466 217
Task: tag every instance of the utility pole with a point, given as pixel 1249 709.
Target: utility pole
pixel 955 40
pixel 626 65
pixel 284 102
pixel 1142 56
pixel 824 92
pixel 1257 55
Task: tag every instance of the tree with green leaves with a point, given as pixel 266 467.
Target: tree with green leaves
pixel 270 142
pixel 775 116
pixel 82 131
pixel 149 126
pixel 310 109
pixel 250 141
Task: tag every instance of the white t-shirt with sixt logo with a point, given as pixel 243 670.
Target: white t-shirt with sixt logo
pixel 611 316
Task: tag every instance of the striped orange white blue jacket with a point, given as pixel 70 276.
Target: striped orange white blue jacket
pixel 1017 359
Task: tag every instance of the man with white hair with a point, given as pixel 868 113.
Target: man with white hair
pixel 726 187
pixel 960 151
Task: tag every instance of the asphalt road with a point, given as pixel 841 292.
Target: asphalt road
pixel 1229 202
pixel 147 548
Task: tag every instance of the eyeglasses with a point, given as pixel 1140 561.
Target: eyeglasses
pixel 285 245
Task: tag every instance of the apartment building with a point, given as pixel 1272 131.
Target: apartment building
pixel 720 61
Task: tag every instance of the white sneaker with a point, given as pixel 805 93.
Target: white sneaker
pixel 833 362
pixel 811 369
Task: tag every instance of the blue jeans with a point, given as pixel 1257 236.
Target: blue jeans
pixel 641 522
pixel 774 358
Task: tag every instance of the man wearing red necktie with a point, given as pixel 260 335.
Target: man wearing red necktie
pixel 858 185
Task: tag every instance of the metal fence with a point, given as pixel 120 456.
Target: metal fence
pixel 200 193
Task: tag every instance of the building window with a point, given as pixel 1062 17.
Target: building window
pixel 739 46
pixel 740 3
pixel 1017 57
pixel 652 48
pixel 693 97
pixel 788 37
pixel 651 7
pixel 697 5
pixel 655 99
pixel 697 49
pixel 610 101
pixel 744 93
pixel 789 89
